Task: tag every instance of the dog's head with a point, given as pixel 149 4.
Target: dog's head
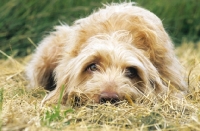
pixel 108 68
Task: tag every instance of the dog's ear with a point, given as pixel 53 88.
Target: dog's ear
pixel 149 35
pixel 40 70
pixel 151 38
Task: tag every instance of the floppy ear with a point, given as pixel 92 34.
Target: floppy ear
pixel 40 69
pixel 150 36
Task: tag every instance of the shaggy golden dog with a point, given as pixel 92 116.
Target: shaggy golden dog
pixel 121 51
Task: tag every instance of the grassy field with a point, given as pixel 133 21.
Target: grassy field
pixel 21 109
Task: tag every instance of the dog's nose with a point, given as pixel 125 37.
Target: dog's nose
pixel 111 97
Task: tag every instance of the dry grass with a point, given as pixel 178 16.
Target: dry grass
pixel 21 110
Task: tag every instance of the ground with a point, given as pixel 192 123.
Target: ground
pixel 21 108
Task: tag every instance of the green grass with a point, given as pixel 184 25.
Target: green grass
pixel 24 22
pixel 1 104
pixel 56 114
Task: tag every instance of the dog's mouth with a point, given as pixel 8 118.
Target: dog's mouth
pixel 83 99
pixel 110 100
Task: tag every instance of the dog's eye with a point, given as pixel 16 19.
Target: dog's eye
pixel 92 67
pixel 130 72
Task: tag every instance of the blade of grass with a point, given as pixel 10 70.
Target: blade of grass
pixel 1 104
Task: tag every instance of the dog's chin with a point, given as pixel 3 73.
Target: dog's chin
pixel 77 99
pixel 113 95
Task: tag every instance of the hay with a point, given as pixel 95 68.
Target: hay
pixel 21 110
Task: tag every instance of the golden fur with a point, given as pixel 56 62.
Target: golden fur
pixel 121 50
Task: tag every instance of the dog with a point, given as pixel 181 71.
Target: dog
pixel 120 52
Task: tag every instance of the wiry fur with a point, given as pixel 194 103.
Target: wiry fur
pixel 115 37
